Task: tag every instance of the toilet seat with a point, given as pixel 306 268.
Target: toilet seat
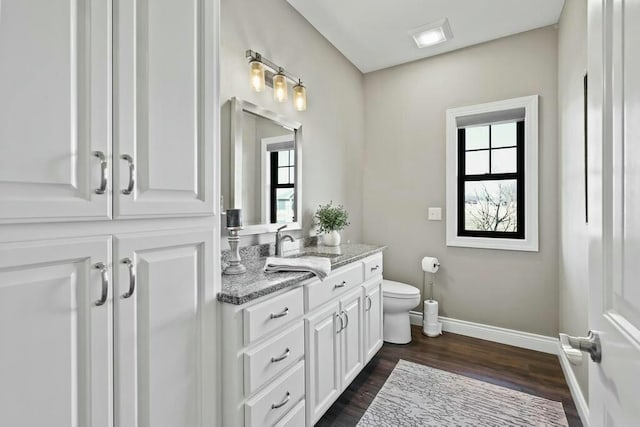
pixel 392 289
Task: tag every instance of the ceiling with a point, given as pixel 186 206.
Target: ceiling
pixel 376 34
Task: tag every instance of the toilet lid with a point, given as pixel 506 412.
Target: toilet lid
pixel 398 290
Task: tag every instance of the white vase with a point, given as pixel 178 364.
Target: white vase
pixel 331 238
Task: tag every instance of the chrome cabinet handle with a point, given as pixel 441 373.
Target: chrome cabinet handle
pixel 339 316
pixel 104 172
pixel 279 315
pixel 341 285
pixel 369 303
pixel 132 277
pixel 377 267
pixel 346 323
pixel 132 174
pixel 281 404
pixel 284 355
pixel 104 273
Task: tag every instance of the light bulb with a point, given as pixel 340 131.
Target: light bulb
pixel 300 97
pixel 256 75
pixel 279 87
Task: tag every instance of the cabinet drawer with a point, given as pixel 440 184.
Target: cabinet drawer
pixel 265 361
pixel 277 399
pixel 295 417
pixel 338 282
pixel 267 316
pixel 372 266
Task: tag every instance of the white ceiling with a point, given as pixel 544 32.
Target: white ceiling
pixel 376 34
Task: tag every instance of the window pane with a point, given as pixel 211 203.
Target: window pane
pixel 284 205
pixel 503 135
pixel 491 205
pixel 283 158
pixel 283 175
pixel 292 175
pixel 477 162
pixel 477 137
pixel 504 160
pixel 292 157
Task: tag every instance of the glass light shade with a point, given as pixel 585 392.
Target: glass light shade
pixel 280 88
pixel 256 75
pixel 300 97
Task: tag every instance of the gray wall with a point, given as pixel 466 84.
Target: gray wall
pixel 333 125
pixel 404 174
pixel 574 281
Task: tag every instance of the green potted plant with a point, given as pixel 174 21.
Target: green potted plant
pixel 330 220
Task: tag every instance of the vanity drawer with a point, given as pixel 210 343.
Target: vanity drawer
pixel 272 314
pixel 372 266
pixel 277 399
pixel 295 417
pixel 265 361
pixel 346 278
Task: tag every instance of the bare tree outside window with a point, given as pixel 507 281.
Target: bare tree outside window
pixel 491 206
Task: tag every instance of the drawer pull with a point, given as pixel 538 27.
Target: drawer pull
pixel 281 314
pixel 369 303
pixel 286 354
pixel 341 285
pixel 104 275
pixel 377 267
pixel 281 404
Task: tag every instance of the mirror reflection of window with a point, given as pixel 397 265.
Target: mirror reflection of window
pixel 282 191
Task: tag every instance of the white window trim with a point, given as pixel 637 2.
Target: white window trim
pixel 530 241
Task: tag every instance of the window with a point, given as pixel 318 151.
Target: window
pixel 492 194
pixel 282 191
pixel 491 180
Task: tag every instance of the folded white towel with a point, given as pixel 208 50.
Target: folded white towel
pixel 321 267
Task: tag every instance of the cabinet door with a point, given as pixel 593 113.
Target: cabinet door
pixel 372 318
pixel 323 356
pixel 55 357
pixel 163 346
pixel 352 336
pixel 54 108
pixel 164 107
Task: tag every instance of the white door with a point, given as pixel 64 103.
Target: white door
pixel 614 217
pixel 163 107
pixel 55 109
pixel 373 318
pixel 352 336
pixel 56 336
pixel 323 356
pixel 163 290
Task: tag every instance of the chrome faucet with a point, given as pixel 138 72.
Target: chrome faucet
pixel 281 238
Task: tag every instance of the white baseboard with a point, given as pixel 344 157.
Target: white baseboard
pixel 494 333
pixel 576 392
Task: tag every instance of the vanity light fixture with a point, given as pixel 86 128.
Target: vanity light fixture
pixel 432 34
pixel 300 96
pixel 256 75
pixel 280 86
pixel 276 75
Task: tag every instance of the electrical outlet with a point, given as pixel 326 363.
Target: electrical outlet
pixel 435 214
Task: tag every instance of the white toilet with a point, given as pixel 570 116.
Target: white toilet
pixel 397 299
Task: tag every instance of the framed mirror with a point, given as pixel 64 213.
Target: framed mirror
pixel 264 171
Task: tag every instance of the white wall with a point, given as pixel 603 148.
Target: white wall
pixel 333 125
pixel 404 174
pixel 574 281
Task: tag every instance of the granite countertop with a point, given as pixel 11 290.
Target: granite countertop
pixel 255 283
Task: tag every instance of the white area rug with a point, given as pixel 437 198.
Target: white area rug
pixel 416 395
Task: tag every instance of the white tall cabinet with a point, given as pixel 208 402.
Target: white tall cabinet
pixel 109 235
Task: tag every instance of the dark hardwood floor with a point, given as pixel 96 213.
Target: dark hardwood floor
pixel 528 371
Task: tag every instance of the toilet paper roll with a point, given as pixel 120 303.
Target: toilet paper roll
pixel 430 319
pixel 430 264
pixel 431 307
